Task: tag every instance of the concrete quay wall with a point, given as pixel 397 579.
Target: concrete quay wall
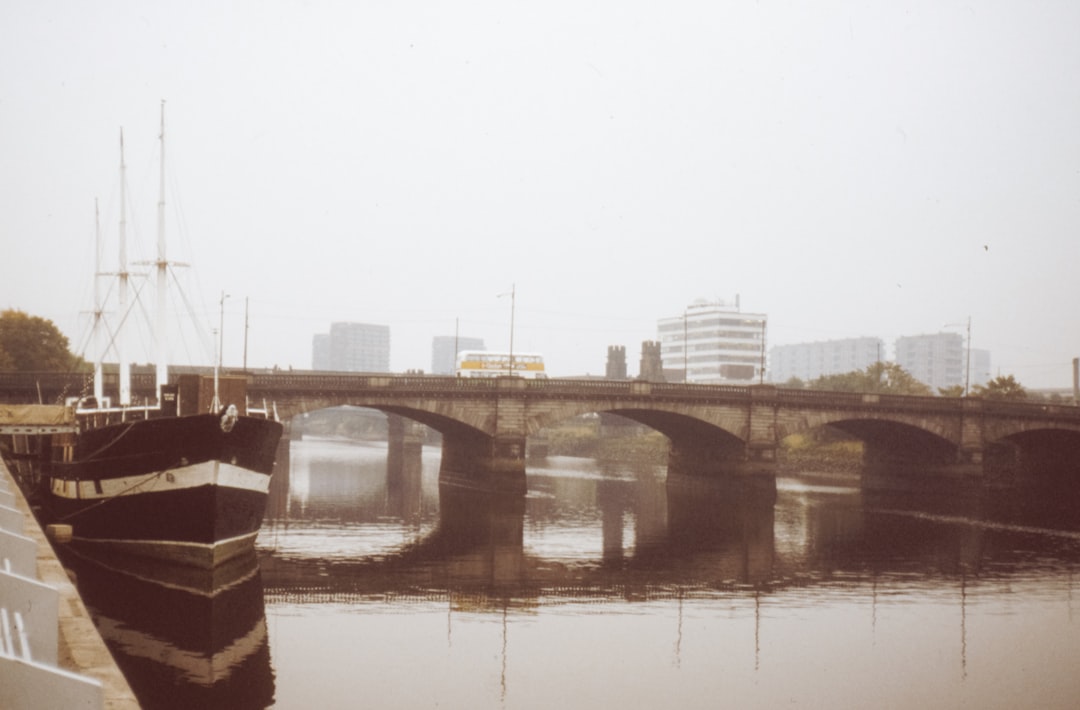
pixel 80 648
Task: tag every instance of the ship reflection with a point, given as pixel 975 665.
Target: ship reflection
pixel 183 637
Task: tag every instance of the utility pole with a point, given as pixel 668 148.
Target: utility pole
pixel 967 368
pixel 246 325
pixel 685 349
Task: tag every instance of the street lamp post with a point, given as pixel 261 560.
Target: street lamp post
pixel 685 349
pixel 513 297
pixel 967 365
pixel 761 372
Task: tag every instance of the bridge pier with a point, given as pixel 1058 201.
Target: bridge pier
pixel 747 471
pixel 405 442
pixel 492 464
pixel 886 466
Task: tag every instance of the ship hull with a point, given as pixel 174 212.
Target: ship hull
pixel 177 488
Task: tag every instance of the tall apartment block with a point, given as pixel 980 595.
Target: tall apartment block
pixel 942 360
pixel 352 347
pixel 809 361
pixel 937 359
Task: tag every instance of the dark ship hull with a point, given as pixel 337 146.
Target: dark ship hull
pixel 190 489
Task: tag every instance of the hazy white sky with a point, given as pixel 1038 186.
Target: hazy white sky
pixel 863 168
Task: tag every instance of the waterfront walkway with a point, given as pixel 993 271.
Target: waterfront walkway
pixel 51 655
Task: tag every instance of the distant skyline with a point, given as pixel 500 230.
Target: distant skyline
pixel 871 169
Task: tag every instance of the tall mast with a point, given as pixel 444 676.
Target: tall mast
pixel 121 349
pixel 98 326
pixel 162 273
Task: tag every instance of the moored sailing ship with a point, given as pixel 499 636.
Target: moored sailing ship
pixel 190 487
pixel 185 478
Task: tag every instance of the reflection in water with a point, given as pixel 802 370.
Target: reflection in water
pixel 183 637
pixel 610 585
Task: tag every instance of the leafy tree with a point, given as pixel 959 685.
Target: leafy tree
pixel 1001 387
pixel 881 377
pixel 32 343
pixel 951 391
pixel 794 383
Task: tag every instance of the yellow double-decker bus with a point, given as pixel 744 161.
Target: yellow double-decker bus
pixel 484 363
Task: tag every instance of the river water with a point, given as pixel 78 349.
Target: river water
pixel 606 588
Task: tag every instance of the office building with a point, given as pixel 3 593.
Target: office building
pixel 713 342
pixel 352 347
pixel 809 361
pixel 444 350
pixel 320 351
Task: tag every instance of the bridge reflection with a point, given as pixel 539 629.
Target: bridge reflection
pixel 629 534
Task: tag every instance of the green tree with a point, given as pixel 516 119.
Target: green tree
pixel 881 377
pixel 951 391
pixel 32 343
pixel 1001 387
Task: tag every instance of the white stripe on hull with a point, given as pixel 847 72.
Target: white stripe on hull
pixel 187 553
pixel 207 473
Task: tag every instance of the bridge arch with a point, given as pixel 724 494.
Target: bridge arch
pixel 892 446
pixel 804 421
pixel 1035 454
pixel 472 454
pixel 706 441
pixel 674 422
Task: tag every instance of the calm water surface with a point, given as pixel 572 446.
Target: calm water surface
pixel 604 588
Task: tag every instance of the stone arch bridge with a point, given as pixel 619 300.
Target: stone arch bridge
pixel 715 431
pixel 728 432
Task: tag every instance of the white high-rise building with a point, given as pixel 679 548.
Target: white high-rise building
pixel 980 367
pixel 713 342
pixel 937 359
pixel 943 360
pixel 809 361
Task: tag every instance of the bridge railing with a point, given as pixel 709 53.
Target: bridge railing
pixel 862 399
pixel 302 382
pixel 54 387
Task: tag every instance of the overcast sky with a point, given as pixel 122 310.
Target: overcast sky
pixel 849 169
